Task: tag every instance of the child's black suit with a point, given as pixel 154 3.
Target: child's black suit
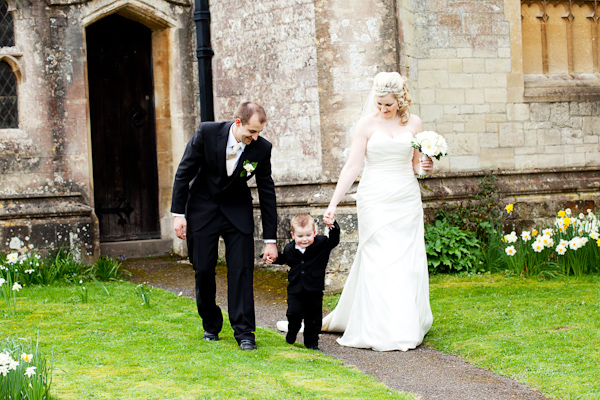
pixel 306 284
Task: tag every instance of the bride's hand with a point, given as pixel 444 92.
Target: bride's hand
pixel 426 163
pixel 329 216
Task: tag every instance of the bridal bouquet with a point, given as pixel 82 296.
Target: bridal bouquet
pixel 431 145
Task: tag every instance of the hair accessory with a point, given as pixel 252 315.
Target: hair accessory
pixel 386 89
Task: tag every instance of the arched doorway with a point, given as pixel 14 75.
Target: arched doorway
pixel 123 129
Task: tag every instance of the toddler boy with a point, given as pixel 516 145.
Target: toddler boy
pixel 307 256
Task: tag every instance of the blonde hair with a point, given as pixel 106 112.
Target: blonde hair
pixel 302 220
pixel 385 83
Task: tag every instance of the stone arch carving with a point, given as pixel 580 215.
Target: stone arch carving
pixel 14 64
pixel 136 10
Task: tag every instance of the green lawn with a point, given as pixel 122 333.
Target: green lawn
pixel 546 334
pixel 114 348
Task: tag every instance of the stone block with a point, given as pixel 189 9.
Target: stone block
pixel 539 111
pixel 464 163
pixel 467 109
pixel 501 65
pixel 432 64
pixel 433 79
pixel 432 113
pixel 517 112
pixel 491 80
pixel 460 81
pixel 489 140
pixel 453 110
pixel 551 160
pixel 491 127
pixel 475 123
pixel 571 136
pixel 458 127
pixel 497 158
pixel 444 127
pixel 455 66
pixel 463 53
pixel 473 65
pixel 427 96
pixel 592 159
pixel 529 161
pixel 511 134
pixel 450 96
pixel 495 95
pixel 504 52
pixel 474 96
pixel 574 160
pixel 547 137
pixel 526 150
pixel 498 108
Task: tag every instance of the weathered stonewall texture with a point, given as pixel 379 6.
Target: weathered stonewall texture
pixel 309 63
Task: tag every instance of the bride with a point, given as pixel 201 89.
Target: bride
pixel 385 302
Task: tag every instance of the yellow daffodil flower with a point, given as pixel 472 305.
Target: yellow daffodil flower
pixel 509 208
pixel 561 214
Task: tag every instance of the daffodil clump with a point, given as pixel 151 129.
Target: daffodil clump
pixel 23 371
pixel 571 246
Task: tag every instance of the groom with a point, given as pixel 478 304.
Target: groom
pixel 211 198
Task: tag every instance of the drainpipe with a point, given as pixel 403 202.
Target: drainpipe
pixel 204 54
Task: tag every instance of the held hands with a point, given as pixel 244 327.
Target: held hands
pixel 180 227
pixel 270 254
pixel 329 216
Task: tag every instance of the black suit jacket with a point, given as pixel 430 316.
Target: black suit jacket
pixel 211 190
pixel 308 270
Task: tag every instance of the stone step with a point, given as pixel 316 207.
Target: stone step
pixel 136 248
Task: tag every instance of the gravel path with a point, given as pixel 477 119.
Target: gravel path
pixel 426 372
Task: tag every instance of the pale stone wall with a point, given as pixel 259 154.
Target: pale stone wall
pixel 265 52
pixel 466 66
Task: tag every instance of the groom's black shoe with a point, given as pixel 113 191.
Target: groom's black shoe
pixel 213 337
pixel 247 344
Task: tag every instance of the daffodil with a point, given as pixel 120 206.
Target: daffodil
pixel 509 208
pixel 30 371
pixel 526 236
pixel 561 250
pixel 17 287
pixel 561 214
pixel 510 250
pixel 534 232
pixel 567 221
pixel 27 357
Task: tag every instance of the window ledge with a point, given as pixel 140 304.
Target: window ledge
pixel 555 88
pixel 13 51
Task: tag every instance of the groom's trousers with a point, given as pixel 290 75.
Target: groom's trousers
pixel 239 254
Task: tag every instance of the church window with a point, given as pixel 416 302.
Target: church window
pixel 8 97
pixel 560 36
pixel 7 33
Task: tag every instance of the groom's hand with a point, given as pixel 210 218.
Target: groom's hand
pixel 270 254
pixel 180 227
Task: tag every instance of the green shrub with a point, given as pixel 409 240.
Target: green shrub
pixel 451 249
pixel 107 269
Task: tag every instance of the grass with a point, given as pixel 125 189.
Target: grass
pixel 112 347
pixel 543 333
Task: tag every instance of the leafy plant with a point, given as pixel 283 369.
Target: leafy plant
pixel 24 371
pixel 107 269
pixel 451 249
pixel 145 293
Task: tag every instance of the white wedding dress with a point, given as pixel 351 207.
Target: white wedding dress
pixel 385 302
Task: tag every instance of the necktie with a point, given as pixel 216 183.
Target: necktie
pixel 232 158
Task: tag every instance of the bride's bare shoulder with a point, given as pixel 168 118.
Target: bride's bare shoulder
pixel 415 124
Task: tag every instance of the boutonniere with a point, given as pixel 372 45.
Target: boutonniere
pixel 248 167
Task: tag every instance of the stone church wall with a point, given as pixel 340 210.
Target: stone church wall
pixel 46 184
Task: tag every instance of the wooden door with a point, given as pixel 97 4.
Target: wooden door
pixel 121 94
